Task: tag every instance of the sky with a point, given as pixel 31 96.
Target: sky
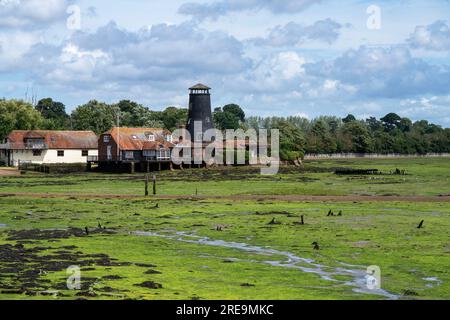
pixel 272 57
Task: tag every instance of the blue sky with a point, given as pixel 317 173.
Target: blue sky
pixel 273 57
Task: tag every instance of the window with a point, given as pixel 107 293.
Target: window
pixel 84 153
pixel 149 153
pixel 208 120
pixel 199 137
pixel 151 137
pixel 129 155
pixel 37 153
pixel 60 153
pixel 169 138
pixel 106 139
pixel 134 136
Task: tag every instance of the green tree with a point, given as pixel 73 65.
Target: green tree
pixel 173 118
pixel 132 114
pixel 18 115
pixel 359 135
pixel 349 118
pixel 96 116
pixel 54 114
pixel 230 116
pixel 292 142
pixel 391 121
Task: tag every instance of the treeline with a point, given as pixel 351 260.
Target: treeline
pixel 94 115
pixel 390 134
pixel 298 136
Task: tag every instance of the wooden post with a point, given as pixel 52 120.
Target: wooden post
pixel 302 220
pixel 154 184
pixel 146 185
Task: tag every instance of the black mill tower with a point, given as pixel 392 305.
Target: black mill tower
pixel 199 112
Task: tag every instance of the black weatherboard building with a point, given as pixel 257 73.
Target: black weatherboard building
pixel 199 111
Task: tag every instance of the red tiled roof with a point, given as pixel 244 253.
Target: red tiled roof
pixel 54 139
pixel 136 138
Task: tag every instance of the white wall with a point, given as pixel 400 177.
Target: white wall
pixel 50 156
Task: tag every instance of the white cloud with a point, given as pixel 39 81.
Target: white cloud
pixel 293 34
pixel 216 9
pixel 31 13
pixel 384 73
pixel 435 36
pixel 13 46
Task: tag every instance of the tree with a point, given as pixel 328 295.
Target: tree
pixel 235 110
pixel 132 114
pixel 405 125
pixel 292 142
pixel 320 140
pixel 349 118
pixel 96 116
pixel 230 116
pixel 54 114
pixel 359 136
pixel 173 118
pixel 391 121
pixel 374 124
pixel 18 115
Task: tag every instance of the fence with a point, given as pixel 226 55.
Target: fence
pixel 52 168
pixel 373 156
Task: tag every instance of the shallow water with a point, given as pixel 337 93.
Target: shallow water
pixel 433 282
pixel 357 273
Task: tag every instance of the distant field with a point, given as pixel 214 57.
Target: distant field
pixel 423 177
pixel 222 249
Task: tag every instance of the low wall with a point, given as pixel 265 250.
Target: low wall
pixel 53 168
pixel 373 156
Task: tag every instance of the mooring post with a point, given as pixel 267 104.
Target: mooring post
pixel 154 184
pixel 146 185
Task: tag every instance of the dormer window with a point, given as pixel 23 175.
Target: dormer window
pixel 151 137
pixel 134 136
pixel 169 138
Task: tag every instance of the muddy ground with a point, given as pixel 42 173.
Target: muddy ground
pixel 308 198
pixel 25 264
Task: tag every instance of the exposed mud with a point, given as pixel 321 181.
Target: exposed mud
pixel 150 285
pixel 39 234
pixel 23 268
pixel 300 198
